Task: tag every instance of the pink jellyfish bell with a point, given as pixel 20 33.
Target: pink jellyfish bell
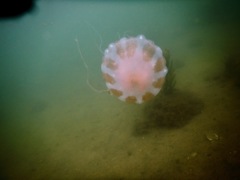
pixel 134 69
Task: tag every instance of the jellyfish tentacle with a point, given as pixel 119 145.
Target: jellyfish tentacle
pixel 87 69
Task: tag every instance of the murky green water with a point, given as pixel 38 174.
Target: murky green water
pixel 53 126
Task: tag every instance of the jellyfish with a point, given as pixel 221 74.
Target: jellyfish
pixel 134 69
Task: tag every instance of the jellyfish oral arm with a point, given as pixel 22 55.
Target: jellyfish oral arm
pixel 134 75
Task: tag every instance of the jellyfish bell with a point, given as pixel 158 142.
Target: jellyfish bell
pixel 134 69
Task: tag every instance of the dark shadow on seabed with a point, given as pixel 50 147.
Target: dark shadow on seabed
pixel 169 111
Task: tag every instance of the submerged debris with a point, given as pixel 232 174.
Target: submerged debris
pixel 192 155
pixel 211 136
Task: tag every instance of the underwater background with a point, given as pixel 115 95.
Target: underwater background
pixel 54 126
